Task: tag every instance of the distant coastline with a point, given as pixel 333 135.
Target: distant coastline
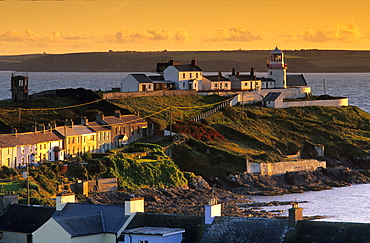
pixel 305 61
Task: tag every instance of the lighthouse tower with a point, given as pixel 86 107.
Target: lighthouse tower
pixel 277 68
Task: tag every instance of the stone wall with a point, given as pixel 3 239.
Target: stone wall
pixel 283 167
pixel 331 102
pixel 118 95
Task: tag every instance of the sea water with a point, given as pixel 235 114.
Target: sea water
pixel 341 204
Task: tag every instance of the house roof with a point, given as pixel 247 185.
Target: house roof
pixel 157 78
pixel 193 224
pixel 96 127
pixel 242 77
pixel 75 130
pixel 263 79
pixel 124 119
pixel 142 78
pixel 295 80
pixel 188 68
pixel 97 218
pixel 272 96
pixel 244 229
pixel 23 218
pixel 216 78
pixel 82 224
pixel 329 232
pixel 29 138
pixel 162 231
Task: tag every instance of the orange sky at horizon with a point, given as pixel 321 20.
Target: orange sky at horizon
pixel 154 25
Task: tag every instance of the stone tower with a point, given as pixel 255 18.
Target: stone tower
pixel 277 68
pixel 19 88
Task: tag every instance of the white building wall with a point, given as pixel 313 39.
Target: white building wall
pixel 154 238
pixel 51 232
pixel 129 84
pixel 97 238
pixel 8 156
pixel 332 102
pixel 279 75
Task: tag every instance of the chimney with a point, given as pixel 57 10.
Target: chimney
pixel 99 118
pixel 51 126
pixel 171 61
pixel 34 128
pixel 41 128
pixel 295 214
pixel 64 198
pixel 7 198
pixel 233 72
pixel 253 72
pixel 137 113
pixel 193 62
pixel 134 205
pixel 211 210
pixel 69 123
pixel 117 113
pixel 84 121
pixel 14 131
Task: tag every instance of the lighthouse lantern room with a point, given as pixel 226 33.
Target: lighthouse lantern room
pixel 277 68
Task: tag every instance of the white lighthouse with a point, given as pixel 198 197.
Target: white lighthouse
pixel 277 68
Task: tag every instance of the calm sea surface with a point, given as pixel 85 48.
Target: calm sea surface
pixel 350 204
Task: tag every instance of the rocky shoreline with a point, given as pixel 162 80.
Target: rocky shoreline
pixel 235 192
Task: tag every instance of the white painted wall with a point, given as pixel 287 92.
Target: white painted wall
pixel 97 238
pixel 154 238
pixel 333 102
pixel 14 237
pixel 51 232
pixel 129 84
pixel 7 157
pixel 283 167
pixel 279 75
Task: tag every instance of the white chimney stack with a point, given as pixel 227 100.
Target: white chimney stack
pixel 212 210
pixel 64 198
pixel 134 205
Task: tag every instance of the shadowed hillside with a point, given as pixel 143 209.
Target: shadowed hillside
pixel 210 61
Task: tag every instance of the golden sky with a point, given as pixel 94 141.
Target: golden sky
pixel 155 25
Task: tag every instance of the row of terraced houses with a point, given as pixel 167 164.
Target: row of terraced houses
pixel 56 143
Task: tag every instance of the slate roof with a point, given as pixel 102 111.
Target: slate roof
pixel 96 127
pixel 263 79
pixel 272 96
pixel 295 80
pixel 162 231
pixel 188 68
pixel 125 119
pixel 243 229
pixel 86 219
pixel 216 78
pixel 156 78
pixel 24 219
pixel 329 232
pixel 82 224
pixel 142 78
pixel 28 138
pixel 76 130
pixel 193 224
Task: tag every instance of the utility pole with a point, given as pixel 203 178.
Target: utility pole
pixel 170 121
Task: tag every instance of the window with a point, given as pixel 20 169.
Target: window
pixel 143 241
pixel 191 75
pixel 197 75
pixel 225 85
pixel 22 150
pixel 183 75
pixel 215 85
pixel 183 84
pixel 270 72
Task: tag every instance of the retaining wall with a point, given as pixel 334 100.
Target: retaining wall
pixel 286 166
pixel 118 95
pixel 331 102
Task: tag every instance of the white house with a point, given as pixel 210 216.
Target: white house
pixel 216 82
pixel 244 82
pixel 154 235
pixel 19 149
pixel 188 76
pixel 137 82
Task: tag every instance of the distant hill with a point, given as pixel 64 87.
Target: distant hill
pixel 301 61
